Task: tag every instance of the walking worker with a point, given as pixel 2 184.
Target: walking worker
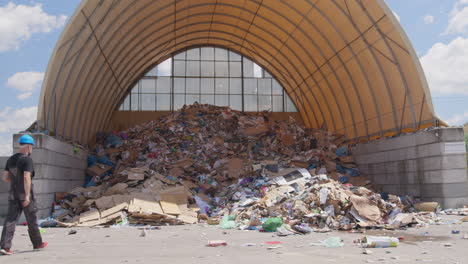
pixel 19 172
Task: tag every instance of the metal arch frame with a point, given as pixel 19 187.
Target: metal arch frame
pixel 278 78
pixel 72 71
pixel 264 66
pixel 80 51
pixel 60 70
pixel 405 82
pixel 369 47
pixel 327 60
pixel 222 39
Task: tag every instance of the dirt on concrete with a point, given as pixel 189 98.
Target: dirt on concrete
pixel 187 244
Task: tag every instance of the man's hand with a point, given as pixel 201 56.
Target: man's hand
pixel 26 202
pixel 6 176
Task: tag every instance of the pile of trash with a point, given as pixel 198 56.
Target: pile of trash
pixel 220 166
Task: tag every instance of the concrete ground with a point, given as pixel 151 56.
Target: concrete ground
pixel 187 244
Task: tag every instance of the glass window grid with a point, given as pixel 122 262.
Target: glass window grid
pixel 218 55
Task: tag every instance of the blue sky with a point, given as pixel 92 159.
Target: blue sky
pixel 29 30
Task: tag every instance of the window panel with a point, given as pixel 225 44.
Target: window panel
pixel 277 89
pixel 250 86
pixel 261 91
pixel 207 53
pixel 179 68
pixel 148 86
pixel 250 103
pixel 135 102
pixel 192 98
pixel 222 100
pixel 290 107
pixel 207 99
pixel 257 71
pixel 221 69
pixel 163 102
pixel 221 54
pixel 135 88
pixel 234 56
pixel 180 56
pixel 235 102
pixel 264 86
pixel 264 103
pixel 207 69
pixel 193 68
pixel 277 103
pixel 165 68
pixel 248 68
pixel 235 86
pixel 163 85
pixel 235 69
pixel 126 104
pixel 193 54
pixel 179 101
pixel 207 85
pixel 148 102
pixel 222 85
pixel 153 72
pixel 179 85
pixel 193 85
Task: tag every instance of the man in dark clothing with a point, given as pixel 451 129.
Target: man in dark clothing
pixel 19 172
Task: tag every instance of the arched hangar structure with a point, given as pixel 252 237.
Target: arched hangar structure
pixel 346 64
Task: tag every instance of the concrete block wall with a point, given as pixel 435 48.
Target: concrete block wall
pixel 428 164
pixel 58 169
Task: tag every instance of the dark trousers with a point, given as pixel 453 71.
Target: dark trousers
pixel 14 212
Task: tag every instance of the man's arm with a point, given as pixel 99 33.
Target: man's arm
pixel 6 176
pixel 27 188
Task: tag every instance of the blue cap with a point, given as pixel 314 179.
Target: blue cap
pixel 26 139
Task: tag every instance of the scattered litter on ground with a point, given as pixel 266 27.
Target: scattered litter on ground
pixel 215 165
pixel 217 243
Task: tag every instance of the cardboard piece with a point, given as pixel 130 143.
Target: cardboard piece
pixel 366 208
pixel 104 202
pixel 98 170
pixel 146 206
pixel 235 167
pixel 255 131
pixel 427 207
pixel 89 216
pixel 136 174
pixel 176 172
pixel 113 210
pixel 119 188
pixel 288 140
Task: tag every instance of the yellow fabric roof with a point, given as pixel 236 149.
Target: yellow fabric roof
pixel 347 64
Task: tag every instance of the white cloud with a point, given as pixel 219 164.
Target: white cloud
pixel 458 19
pixel 26 83
pixel 429 19
pixel 6 146
pixel 397 16
pixel 19 22
pixel 24 96
pixel 458 119
pixel 13 121
pixel 446 67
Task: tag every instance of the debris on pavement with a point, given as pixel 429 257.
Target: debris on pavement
pixel 215 165
pixel 379 242
pixel 217 243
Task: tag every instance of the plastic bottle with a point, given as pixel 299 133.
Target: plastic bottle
pixel 380 242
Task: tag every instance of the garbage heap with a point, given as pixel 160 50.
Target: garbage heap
pixel 217 165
